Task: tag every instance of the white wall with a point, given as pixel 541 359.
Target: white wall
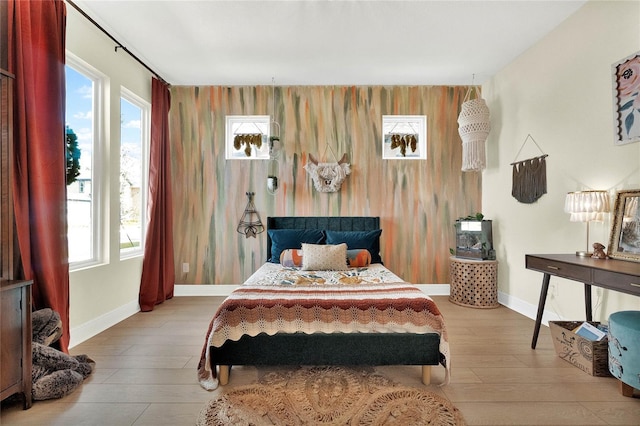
pixel 560 93
pixel 103 295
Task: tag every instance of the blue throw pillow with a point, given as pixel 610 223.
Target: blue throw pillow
pixel 282 239
pixel 369 240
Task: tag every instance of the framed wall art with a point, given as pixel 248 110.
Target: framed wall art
pixel 404 137
pixel 626 99
pixel 246 137
pixel 624 243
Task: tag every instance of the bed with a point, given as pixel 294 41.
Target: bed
pixel 292 315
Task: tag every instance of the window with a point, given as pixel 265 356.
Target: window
pixel 134 140
pixel 83 126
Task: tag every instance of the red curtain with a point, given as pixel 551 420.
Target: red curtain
pixel 37 58
pixel 158 269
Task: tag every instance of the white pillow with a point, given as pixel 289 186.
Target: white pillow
pixel 321 257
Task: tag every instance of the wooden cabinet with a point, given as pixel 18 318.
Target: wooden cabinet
pixel 15 296
pixel 15 339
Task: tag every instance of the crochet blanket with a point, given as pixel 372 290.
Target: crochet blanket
pixel 373 308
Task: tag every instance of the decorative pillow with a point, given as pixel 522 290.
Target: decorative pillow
pixel 369 240
pixel 358 258
pixel 324 257
pixel 291 258
pixel 282 239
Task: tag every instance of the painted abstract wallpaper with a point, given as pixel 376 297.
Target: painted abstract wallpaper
pixel 417 200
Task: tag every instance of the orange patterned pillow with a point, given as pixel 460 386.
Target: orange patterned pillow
pixel 358 258
pixel 291 258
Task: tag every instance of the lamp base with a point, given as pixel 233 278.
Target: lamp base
pixel 583 253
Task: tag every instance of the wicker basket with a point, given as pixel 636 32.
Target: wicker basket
pixel 590 356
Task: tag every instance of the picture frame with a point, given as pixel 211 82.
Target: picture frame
pixel 626 99
pixel 404 137
pixel 624 242
pixel 246 137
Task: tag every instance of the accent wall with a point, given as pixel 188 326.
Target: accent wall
pixel 418 201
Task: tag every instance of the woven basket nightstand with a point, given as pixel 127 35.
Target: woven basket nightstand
pixel 474 283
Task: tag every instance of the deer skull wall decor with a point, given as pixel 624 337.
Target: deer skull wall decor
pixel 328 177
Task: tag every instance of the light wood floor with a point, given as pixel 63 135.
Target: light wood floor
pixel 146 374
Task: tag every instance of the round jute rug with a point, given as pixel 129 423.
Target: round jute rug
pixel 328 396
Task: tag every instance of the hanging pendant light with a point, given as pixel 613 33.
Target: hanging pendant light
pixel 473 126
pixel 273 168
pixel 250 224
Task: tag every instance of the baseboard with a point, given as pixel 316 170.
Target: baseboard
pixel 97 325
pixel 527 309
pixel 204 289
pixel 226 289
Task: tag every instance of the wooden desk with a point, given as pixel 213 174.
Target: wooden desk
pixel 617 275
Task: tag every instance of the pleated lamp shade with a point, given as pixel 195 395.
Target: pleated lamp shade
pixel 587 206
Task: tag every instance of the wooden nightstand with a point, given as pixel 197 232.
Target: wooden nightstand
pixel 474 283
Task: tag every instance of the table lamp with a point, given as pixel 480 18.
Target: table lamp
pixel 587 206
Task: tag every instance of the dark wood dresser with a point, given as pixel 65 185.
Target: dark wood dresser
pixel 15 339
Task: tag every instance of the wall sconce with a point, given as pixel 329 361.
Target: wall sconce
pixel 587 206
pixel 273 168
pixel 250 224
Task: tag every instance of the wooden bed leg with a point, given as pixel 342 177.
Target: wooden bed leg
pixel 426 374
pixel 223 375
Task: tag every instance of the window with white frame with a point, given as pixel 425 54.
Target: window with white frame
pixel 84 86
pixel 134 141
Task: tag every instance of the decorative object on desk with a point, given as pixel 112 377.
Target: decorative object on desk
pixel 626 99
pixel 473 126
pixel 328 177
pixel 275 146
pixel 624 242
pixel 529 177
pixel 250 224
pixel 474 238
pixel 587 206
pixel 598 251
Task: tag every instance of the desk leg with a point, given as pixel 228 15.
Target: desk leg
pixel 587 302
pixel 541 302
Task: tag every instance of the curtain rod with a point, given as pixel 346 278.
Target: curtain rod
pixel 118 44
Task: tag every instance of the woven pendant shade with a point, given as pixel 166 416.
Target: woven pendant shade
pixel 474 127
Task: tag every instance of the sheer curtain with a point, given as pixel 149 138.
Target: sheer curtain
pixel 158 269
pixel 37 57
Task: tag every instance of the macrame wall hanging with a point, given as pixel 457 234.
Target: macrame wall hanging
pixel 529 176
pixel 328 177
pixel 473 127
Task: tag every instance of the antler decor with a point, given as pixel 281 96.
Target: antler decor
pixel 328 177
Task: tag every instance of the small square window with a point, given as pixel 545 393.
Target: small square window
pixel 247 137
pixel 404 137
